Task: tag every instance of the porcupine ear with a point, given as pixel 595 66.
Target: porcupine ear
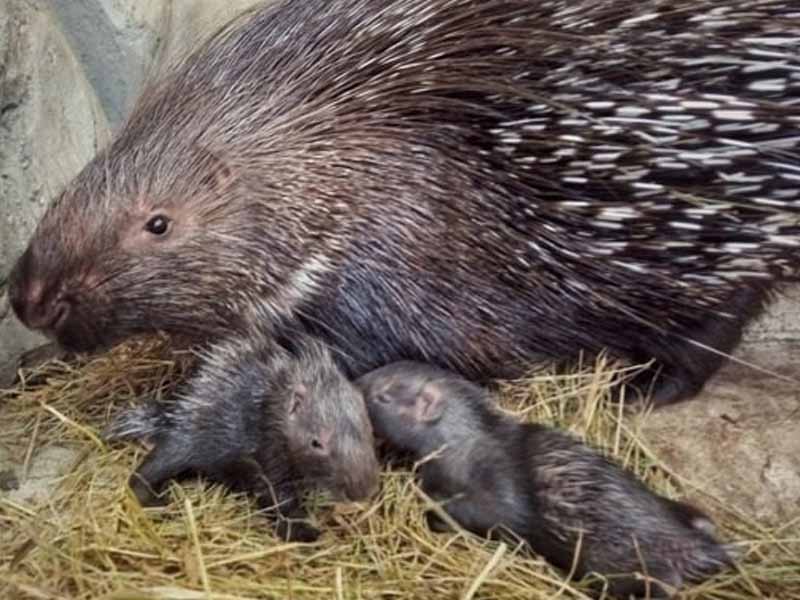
pixel 430 404
pixel 298 400
pixel 214 172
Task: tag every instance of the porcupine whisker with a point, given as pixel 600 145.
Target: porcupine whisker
pixel 105 281
pixel 742 362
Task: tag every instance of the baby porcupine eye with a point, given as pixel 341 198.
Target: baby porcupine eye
pixel 157 225
pixel 320 446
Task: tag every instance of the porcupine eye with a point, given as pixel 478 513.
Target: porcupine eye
pixel 158 225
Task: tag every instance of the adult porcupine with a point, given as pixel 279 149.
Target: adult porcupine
pixel 474 183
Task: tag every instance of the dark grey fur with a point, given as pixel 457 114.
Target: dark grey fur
pixel 476 184
pixel 495 474
pixel 271 418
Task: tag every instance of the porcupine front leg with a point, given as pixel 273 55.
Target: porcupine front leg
pixel 683 364
pixel 280 501
pixel 469 513
pixel 166 461
pixel 292 525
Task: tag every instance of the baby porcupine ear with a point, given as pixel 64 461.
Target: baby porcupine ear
pixel 430 403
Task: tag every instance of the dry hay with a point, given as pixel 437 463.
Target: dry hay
pixel 88 538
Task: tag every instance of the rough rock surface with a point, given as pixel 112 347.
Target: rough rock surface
pixel 50 125
pixel 47 466
pixel 740 440
pixel 114 42
pixel 121 42
pixel 781 322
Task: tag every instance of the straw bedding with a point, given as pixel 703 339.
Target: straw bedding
pixel 87 537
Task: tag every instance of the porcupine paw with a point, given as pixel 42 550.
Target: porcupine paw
pixel 295 530
pixel 655 389
pixel 436 523
pixel 146 493
pixel 663 585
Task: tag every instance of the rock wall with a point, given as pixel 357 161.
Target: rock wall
pixel 70 71
pixel 51 123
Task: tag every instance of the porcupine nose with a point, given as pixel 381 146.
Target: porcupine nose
pixel 363 482
pixel 35 306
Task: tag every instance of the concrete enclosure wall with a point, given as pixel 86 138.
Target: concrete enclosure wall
pixel 70 71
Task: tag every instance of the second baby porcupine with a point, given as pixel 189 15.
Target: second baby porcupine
pixel 478 184
pixel 524 480
pixel 269 416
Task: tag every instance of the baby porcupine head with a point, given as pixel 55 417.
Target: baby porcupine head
pixel 284 400
pixel 328 430
pixel 417 407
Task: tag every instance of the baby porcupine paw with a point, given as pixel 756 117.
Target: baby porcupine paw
pixel 146 493
pixel 436 523
pixel 294 530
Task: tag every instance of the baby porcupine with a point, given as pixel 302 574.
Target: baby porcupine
pixel 496 475
pixel 271 417
pixel 477 184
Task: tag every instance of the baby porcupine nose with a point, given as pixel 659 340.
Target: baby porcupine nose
pixel 362 481
pixel 359 489
pixel 36 306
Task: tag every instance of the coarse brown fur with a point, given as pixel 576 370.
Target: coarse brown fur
pixel 272 417
pixel 571 504
pixel 482 185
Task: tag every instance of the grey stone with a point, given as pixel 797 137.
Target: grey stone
pixel 187 23
pixel 781 322
pixel 29 359
pixel 51 124
pixel 114 41
pixel 47 466
pixel 740 439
